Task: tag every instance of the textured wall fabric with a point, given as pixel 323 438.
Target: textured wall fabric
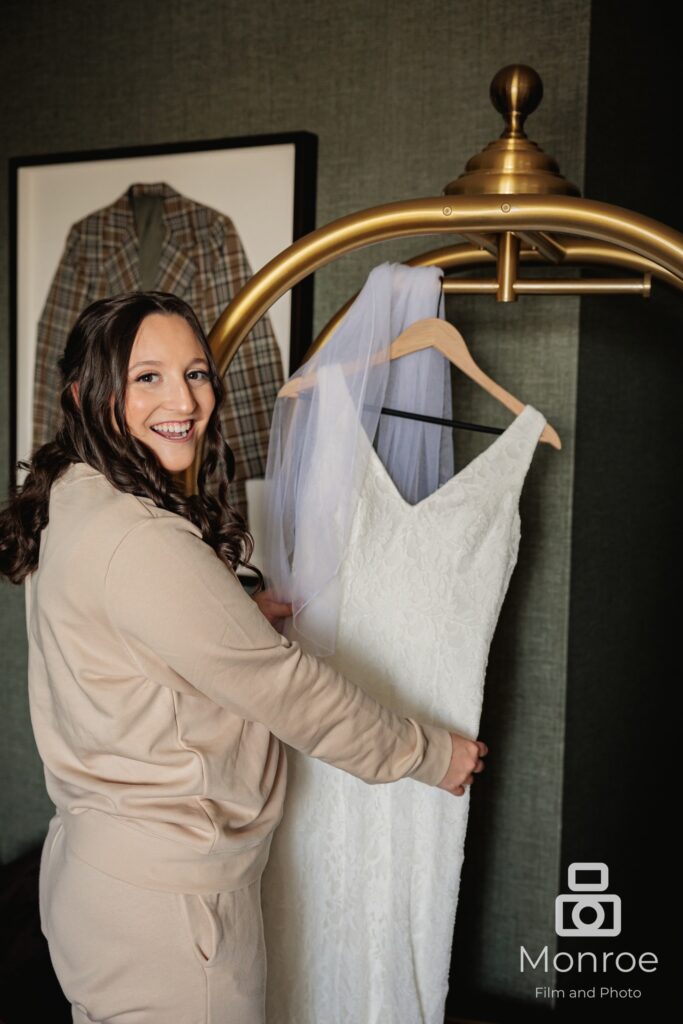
pixel 626 564
pixel 510 874
pixel 397 91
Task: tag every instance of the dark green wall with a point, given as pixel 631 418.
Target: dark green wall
pixel 623 706
pixel 397 93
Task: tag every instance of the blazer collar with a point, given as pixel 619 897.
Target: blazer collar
pixel 176 267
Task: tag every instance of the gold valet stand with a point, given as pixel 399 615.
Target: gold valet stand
pixel 511 206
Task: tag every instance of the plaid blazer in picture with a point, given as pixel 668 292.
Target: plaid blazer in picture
pixel 202 260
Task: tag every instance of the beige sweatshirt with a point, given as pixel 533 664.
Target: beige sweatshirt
pixel 159 694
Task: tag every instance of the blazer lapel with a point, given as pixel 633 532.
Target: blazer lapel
pixel 121 268
pixel 177 268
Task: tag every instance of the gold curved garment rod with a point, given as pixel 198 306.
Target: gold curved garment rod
pixel 466 256
pixel 459 215
pixel 453 214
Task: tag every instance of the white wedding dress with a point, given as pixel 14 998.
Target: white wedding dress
pixel 360 892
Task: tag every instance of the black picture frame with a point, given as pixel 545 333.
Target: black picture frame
pixel 304 152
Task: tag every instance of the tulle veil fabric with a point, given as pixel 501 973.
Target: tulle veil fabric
pixel 317 461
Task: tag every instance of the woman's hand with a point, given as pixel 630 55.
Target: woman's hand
pixel 272 609
pixel 466 762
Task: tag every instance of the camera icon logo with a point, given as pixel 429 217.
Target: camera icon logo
pixel 582 912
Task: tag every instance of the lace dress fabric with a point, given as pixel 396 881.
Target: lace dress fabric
pixel 360 893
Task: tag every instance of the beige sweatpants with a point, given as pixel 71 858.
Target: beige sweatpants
pixel 141 956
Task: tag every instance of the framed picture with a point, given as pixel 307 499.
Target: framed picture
pixel 264 184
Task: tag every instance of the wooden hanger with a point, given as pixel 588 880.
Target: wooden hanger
pixel 447 339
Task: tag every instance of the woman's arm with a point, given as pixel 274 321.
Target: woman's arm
pixel 188 623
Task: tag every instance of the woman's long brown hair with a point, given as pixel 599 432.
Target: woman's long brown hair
pixel 97 355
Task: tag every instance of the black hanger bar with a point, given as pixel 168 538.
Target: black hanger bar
pixel 428 419
pixel 442 422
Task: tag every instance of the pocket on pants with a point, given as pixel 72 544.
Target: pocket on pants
pixel 226 927
pixel 55 834
pixel 206 928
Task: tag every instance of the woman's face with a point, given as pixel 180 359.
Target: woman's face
pixel 169 397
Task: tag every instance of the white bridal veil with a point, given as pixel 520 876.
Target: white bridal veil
pixel 317 461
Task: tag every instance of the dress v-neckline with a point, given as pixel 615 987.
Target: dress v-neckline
pixel 452 481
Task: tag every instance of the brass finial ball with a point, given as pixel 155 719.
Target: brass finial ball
pixel 516 91
pixel 512 164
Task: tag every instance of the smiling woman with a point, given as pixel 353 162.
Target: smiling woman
pixel 139 363
pixel 160 695
pixel 168 407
